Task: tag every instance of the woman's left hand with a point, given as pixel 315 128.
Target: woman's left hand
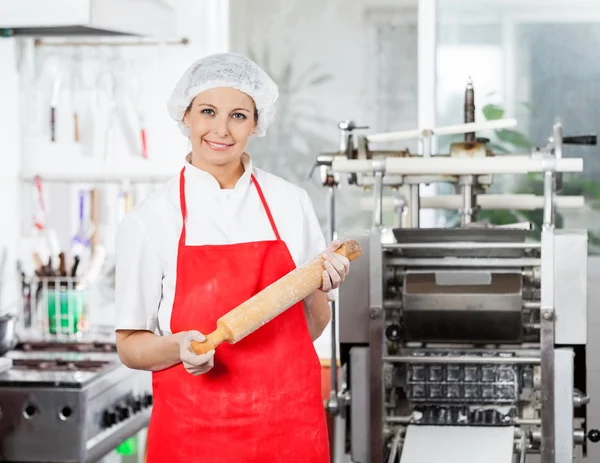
pixel 336 268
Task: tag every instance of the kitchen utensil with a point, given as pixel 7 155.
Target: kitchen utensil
pixel 8 332
pixel 137 97
pixel 83 236
pixel 94 268
pixel 39 208
pixel 76 90
pixel 272 301
pixel 54 104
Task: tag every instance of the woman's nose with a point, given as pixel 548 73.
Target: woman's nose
pixel 220 127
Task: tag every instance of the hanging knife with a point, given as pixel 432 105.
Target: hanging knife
pixel 54 104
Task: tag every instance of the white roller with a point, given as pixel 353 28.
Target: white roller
pixel 439 165
pixel 445 130
pixel 525 202
pixel 395 136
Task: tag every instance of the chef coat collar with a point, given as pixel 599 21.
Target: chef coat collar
pixel 208 182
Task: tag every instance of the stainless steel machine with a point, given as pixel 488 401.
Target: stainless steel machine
pixel 478 326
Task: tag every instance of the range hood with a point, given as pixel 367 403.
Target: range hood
pixel 145 18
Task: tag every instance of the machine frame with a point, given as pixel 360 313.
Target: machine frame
pixel 470 166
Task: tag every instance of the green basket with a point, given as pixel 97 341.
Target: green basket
pixel 61 322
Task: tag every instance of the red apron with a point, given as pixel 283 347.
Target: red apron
pixel 262 401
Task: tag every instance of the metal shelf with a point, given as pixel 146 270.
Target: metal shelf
pixel 66 163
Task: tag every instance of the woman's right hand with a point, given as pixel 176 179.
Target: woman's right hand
pixel 193 363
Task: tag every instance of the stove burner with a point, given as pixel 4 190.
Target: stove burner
pixel 58 365
pixel 53 346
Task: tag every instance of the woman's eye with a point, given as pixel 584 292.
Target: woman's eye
pixel 207 111
pixel 239 116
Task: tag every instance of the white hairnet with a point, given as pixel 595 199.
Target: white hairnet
pixel 225 70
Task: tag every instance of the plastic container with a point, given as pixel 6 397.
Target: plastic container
pixel 70 316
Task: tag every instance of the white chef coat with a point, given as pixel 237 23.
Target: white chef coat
pixel 147 238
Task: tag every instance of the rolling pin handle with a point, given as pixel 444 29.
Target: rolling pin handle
pixel 202 347
pixel 349 249
pixel 221 334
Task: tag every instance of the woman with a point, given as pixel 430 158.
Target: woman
pixel 207 241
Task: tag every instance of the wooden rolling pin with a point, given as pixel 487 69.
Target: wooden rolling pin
pixel 272 301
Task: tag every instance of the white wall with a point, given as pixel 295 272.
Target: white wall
pixel 9 149
pixel 366 52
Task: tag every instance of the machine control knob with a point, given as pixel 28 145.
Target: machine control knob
pixel 109 418
pixel 147 400
pixel 136 404
pixel 594 435
pixel 123 412
pixel 393 333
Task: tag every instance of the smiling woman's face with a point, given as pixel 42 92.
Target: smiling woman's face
pixel 220 121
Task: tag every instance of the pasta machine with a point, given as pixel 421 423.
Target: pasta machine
pixel 478 325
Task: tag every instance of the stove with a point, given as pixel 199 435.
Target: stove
pixel 69 402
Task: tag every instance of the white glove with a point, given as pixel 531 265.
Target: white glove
pixel 195 364
pixel 336 268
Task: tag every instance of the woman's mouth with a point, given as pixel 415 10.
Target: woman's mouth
pixel 218 146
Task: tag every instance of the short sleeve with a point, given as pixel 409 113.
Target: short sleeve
pixel 314 239
pixel 138 277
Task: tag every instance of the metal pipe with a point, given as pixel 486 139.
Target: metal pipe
pixel 395 446
pixel 376 318
pixel 547 333
pixel 557 141
pixel 462 262
pixel 461 245
pixel 333 404
pixel 532 305
pixel 497 165
pixel 392 304
pixel 469 109
pixel 523 449
pixel 426 144
pixel 462 360
pixel 445 130
pixel 548 199
pixel 578 436
pixel 486 201
pixel 528 421
pixel 414 206
pixel 532 326
pixel 397 304
pixel 466 215
pixel 379 166
pixel 397 273
pixel 517 421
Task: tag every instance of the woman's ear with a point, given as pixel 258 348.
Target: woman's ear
pixel 186 121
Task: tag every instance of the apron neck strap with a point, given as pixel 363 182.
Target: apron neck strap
pixel 266 207
pixel 184 205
